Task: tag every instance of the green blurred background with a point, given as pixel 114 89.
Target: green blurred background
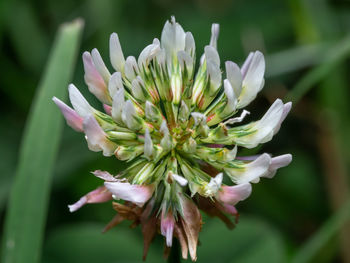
pixel 296 217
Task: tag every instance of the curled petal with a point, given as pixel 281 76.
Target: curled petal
pixel 233 194
pixel 99 195
pixel 191 223
pixel 105 176
pixel 97 138
pixel 286 109
pixel 72 117
pixel 138 194
pixel 278 162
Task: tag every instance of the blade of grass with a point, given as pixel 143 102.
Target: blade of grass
pixel 335 55
pixel 27 207
pixel 324 235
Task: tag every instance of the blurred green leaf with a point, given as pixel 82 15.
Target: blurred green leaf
pixel 86 243
pixel 251 241
pixel 27 208
pixel 335 55
pixel 317 242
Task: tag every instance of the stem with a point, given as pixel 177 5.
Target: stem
pixel 175 252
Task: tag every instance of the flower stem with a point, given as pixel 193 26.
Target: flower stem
pixel 175 252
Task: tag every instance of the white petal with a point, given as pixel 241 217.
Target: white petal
pixel 237 119
pixel 215 29
pixel 173 38
pixel 250 171
pixel 263 130
pixel 231 98
pixel 131 68
pixel 115 53
pixel 233 74
pixel 253 79
pixel 115 83
pixel 199 118
pixel 179 179
pixel 118 105
pixel 246 64
pixel 136 88
pixel 286 109
pixel 97 138
pixel 128 114
pixel 278 162
pixel 147 54
pixel 105 176
pixel 138 194
pixel 80 104
pixel 214 73
pixel 100 65
pixel 211 54
pixel 190 46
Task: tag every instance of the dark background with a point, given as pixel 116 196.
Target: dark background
pixel 303 42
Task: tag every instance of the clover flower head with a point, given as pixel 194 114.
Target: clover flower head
pixel 177 128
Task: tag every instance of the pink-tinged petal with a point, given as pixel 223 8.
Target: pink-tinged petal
pixel 191 223
pixel 94 80
pixel 108 109
pixel 233 194
pixel 97 138
pixel 72 117
pixel 105 176
pixel 230 209
pixel 138 194
pixel 99 195
pixel 167 223
pixel 278 162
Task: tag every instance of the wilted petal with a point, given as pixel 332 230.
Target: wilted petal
pixel 148 146
pixel 72 117
pixel 191 223
pixel 137 194
pixel 97 138
pixel 108 109
pixel 233 194
pixel 115 53
pixel 99 195
pixel 105 176
pixel 94 80
pixel 167 223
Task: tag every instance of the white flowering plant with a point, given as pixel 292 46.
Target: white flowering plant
pixel 177 128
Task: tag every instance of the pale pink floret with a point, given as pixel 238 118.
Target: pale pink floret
pixel 137 194
pixel 231 195
pixel 99 195
pixel 167 223
pixel 108 109
pixel 97 138
pixel 72 117
pixel 94 80
pixel 278 162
